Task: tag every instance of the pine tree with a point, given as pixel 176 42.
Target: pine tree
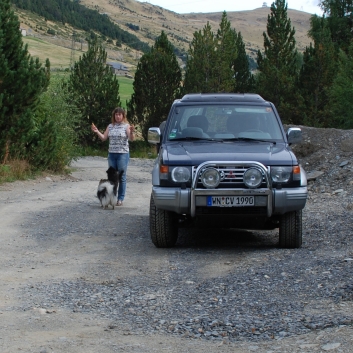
pixel 277 66
pixel 211 58
pixel 338 15
pixel 201 62
pixel 22 80
pixel 341 93
pixel 93 89
pixel 156 85
pixel 317 74
pixel 244 79
pixel 226 50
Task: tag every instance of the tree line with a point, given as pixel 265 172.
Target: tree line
pixel 44 125
pixel 313 88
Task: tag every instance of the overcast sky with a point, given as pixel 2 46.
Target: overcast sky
pixel 188 6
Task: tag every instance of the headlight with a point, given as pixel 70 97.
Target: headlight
pixel 252 178
pixel 281 174
pixel 180 174
pixel 210 178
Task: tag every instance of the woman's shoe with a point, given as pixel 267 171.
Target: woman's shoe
pixel 119 203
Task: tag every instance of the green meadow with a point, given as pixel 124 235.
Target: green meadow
pixel 125 89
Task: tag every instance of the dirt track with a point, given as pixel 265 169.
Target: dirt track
pixel 55 236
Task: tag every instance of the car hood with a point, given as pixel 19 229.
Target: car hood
pixel 197 152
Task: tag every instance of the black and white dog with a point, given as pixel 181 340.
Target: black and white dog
pixel 108 188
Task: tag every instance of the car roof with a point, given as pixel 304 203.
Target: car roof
pixel 222 97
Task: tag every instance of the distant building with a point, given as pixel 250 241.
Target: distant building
pixel 119 69
pixel 264 4
pixel 23 31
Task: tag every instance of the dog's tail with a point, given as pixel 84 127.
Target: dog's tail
pixel 102 190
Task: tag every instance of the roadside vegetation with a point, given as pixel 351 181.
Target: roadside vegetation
pixel 45 116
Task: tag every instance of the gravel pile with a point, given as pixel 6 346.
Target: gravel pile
pixel 326 155
pixel 272 294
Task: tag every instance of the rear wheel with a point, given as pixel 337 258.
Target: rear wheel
pixel 163 227
pixel 290 230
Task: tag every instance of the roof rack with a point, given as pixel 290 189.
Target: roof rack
pixel 222 97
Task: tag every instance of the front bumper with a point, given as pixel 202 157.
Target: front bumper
pixel 180 201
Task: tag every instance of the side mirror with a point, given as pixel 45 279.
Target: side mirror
pixel 294 135
pixel 154 135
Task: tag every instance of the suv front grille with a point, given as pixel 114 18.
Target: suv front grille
pixel 232 176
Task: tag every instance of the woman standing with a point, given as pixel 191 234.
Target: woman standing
pixel 119 133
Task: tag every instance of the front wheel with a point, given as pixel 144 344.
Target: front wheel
pixel 290 230
pixel 163 227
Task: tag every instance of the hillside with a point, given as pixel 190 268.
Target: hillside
pixel 149 20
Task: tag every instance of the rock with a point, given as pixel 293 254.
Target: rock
pixel 330 346
pixel 344 163
pixel 313 175
pixel 42 311
pixel 308 345
pixel 347 145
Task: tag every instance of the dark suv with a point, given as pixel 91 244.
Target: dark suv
pixel 225 161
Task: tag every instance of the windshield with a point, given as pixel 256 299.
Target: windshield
pixel 224 122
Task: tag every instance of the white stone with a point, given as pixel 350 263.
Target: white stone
pixel 308 345
pixel 330 346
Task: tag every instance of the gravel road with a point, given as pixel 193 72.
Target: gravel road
pixel 76 278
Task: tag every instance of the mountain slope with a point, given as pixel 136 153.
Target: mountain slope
pixel 180 27
pixel 146 21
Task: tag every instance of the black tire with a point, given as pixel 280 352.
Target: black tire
pixel 163 227
pixel 290 230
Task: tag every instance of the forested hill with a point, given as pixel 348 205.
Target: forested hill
pixel 80 17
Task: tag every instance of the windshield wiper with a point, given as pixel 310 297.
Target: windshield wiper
pixel 248 139
pixel 190 138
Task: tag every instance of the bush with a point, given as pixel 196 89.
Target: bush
pixel 53 140
pixel 142 149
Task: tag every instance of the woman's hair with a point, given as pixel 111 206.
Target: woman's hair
pixel 119 110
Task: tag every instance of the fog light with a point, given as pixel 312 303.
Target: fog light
pixel 252 178
pixel 210 178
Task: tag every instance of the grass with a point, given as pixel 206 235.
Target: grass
pixel 15 170
pixel 58 56
pixel 126 89
pixel 142 149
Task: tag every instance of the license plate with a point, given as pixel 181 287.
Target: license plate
pixel 230 201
